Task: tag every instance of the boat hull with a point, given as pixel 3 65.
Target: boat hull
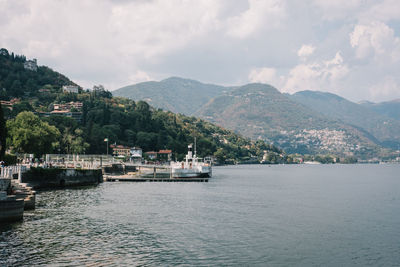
pixel 191 173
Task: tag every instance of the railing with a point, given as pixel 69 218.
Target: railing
pixel 9 171
pixel 79 161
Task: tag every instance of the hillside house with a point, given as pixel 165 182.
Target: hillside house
pixel 70 89
pixel 68 106
pixel 31 65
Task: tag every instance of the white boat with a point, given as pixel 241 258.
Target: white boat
pixel 191 167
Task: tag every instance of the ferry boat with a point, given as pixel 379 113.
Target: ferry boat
pixel 192 166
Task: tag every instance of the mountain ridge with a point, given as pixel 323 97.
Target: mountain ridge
pixel 261 111
pixel 187 95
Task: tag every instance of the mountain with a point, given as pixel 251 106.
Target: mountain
pixel 31 92
pixel 260 111
pixel 174 94
pixel 389 108
pixel 385 129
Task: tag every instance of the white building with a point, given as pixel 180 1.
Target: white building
pixel 136 152
pixel 31 64
pixel 70 89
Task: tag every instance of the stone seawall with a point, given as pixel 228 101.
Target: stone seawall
pixel 60 177
pixel 11 209
pixel 4 184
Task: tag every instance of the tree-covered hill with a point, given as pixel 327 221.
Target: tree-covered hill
pixel 16 81
pixel 174 94
pixel 122 121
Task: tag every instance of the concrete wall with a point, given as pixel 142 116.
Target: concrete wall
pixel 119 169
pixel 58 178
pixel 4 184
pixel 11 209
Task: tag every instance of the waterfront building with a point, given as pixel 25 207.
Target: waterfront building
pixel 152 155
pixel 165 155
pixel 136 154
pixel 120 151
pixel 162 155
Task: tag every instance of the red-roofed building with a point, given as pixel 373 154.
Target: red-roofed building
pixel 165 155
pixel 162 155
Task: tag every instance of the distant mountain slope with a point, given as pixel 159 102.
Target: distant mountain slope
pixel 385 129
pixel 261 111
pixel 175 94
pixel 389 108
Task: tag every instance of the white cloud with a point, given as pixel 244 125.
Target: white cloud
pixel 375 39
pixel 260 14
pixel 317 76
pixel 117 42
pixel 337 9
pixel 157 27
pixel 139 76
pixel 385 10
pixel 305 51
pixel 265 75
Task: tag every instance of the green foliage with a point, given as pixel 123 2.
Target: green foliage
pixel 16 81
pixel 325 159
pixel 122 121
pixel 349 160
pixel 28 134
pixel 10 159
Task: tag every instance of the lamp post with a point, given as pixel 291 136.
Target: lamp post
pixel 106 140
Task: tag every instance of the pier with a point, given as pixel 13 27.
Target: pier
pixel 145 173
pixel 130 178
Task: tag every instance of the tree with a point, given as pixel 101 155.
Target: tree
pixel 3 134
pixel 28 134
pixel 78 144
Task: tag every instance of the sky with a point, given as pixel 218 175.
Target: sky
pixel 347 47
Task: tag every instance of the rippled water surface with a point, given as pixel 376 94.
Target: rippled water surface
pixel 336 215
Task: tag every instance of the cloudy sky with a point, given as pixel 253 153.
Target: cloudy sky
pixel 348 47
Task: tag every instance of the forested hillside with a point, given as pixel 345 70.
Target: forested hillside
pixel 33 95
pixel 16 81
pixel 174 94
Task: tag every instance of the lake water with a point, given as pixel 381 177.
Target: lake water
pixel 320 215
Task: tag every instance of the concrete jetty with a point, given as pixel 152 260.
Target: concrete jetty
pixel 132 178
pixel 39 178
pixel 129 172
pixel 11 208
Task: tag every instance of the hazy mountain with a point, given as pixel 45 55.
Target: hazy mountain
pixel 389 108
pixel 261 111
pixel 382 127
pixel 175 94
pixel 307 122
